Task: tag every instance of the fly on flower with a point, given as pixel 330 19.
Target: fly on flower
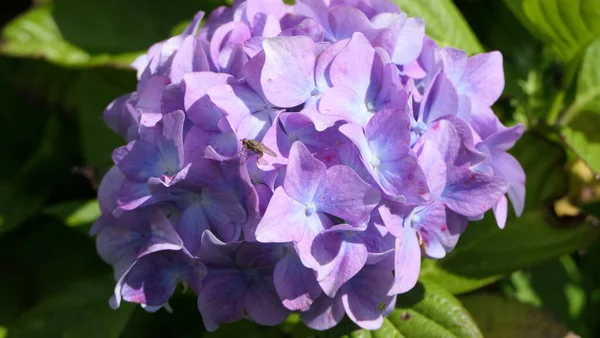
pixel 257 148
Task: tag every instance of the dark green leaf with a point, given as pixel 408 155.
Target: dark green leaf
pixel 80 311
pixel 112 27
pixel 556 286
pixel 46 168
pixel 586 148
pixel 567 26
pixel 587 97
pixel 428 310
pixel 75 213
pixel 35 34
pixel 94 90
pixel 499 318
pixel 443 23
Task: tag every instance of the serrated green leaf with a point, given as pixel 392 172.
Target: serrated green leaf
pixel 443 23
pixel 498 317
pixel 567 26
pixel 79 311
pixel 587 96
pixel 35 34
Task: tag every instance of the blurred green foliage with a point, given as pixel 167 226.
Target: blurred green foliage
pixel 63 61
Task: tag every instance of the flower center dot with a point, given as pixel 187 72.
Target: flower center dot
pixel 310 209
pixel 375 162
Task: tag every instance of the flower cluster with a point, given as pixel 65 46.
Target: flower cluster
pixel 300 158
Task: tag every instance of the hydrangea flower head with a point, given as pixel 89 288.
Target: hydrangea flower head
pixel 382 146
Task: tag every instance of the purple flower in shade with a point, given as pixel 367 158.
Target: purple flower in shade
pixel 149 258
pixel 364 82
pixel 385 147
pixel 310 193
pixel 496 140
pixel 385 151
pixel 158 156
pixel 239 282
pixel 364 298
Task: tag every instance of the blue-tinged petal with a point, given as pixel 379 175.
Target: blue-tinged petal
pixel 221 299
pixel 262 303
pixel 140 160
pixel 324 313
pixel 191 226
pixel 296 284
pixel 152 280
pixel 365 296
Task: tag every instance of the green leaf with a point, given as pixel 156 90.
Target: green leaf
pixel 498 317
pixel 46 168
pixel 75 213
pixel 587 97
pixel 428 310
pixel 35 34
pixel 556 286
pixel 587 149
pixel 567 26
pixel 106 22
pixel 443 23
pixel 93 91
pixel 80 311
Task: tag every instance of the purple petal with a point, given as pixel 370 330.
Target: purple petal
pixel 152 280
pixel 189 58
pixel 483 78
pixel 402 38
pixel 339 258
pixel 324 313
pixel 262 303
pixel 191 227
pixel 344 21
pixel 365 296
pixel 287 77
pixel 501 212
pixel 407 262
pixel 344 194
pixel 352 65
pixel 221 299
pixel 471 194
pixel 440 99
pixel 296 285
pixel 139 161
pixel 272 230
pixel 508 167
pixel 304 174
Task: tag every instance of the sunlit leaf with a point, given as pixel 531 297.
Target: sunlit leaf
pixel 498 317
pixel 443 23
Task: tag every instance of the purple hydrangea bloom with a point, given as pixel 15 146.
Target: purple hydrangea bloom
pixel 300 158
